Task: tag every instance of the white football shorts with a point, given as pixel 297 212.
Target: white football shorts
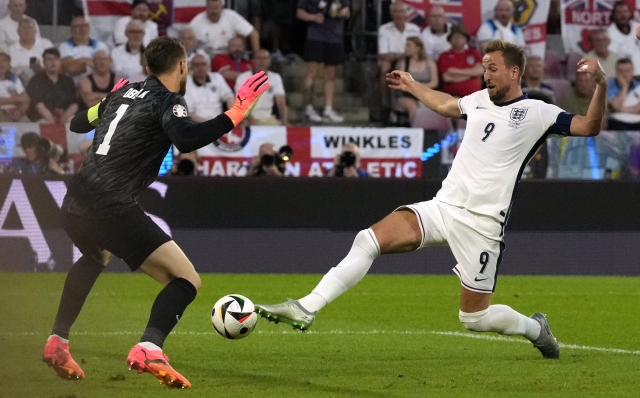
pixel 475 241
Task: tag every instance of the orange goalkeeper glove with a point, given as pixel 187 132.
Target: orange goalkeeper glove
pixel 247 97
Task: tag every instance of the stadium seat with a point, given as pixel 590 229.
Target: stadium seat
pixel 427 119
pixel 572 65
pixel 561 88
pixel 553 65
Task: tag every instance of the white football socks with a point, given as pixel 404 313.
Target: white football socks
pixel 501 319
pixel 345 275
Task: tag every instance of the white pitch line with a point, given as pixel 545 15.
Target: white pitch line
pixel 355 332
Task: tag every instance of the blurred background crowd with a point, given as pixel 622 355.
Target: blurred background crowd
pixel 326 61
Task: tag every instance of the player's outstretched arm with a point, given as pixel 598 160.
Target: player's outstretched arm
pixel 590 124
pixel 438 101
pixel 188 135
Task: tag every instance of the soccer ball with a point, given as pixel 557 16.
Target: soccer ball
pixel 234 317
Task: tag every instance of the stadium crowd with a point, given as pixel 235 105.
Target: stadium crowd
pixel 43 83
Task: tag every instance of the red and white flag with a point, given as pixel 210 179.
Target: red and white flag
pixel 168 14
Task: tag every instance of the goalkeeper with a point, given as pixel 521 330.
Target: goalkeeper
pixel 135 126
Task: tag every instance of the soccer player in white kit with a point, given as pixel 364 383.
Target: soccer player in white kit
pixel 469 213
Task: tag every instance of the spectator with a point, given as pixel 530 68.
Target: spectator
pixel 578 99
pixel 14 101
pixel 9 24
pixel 461 67
pixel 600 41
pixel 232 64
pixel 262 113
pixel 622 33
pixel 623 95
pixel 628 117
pixel 434 36
pixel 422 69
pixel 41 156
pixel 325 35
pixel 26 54
pixel 620 85
pixel 126 57
pixel 140 11
pixel 532 78
pixel 634 163
pixel 53 94
pixel 501 27
pixel 347 163
pixel 206 91
pixel 190 41
pixel 216 25
pixel 77 52
pixel 186 164
pixel 94 87
pixel 268 162
pixel 392 37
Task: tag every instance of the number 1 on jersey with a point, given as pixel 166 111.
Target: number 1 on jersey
pixel 104 146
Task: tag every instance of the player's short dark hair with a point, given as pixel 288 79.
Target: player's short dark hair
pixel 51 51
pixel 623 60
pixel 512 54
pixel 163 54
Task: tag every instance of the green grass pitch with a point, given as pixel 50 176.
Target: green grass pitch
pixel 391 336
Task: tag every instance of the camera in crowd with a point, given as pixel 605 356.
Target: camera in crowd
pixel 347 159
pixel 185 164
pixel 268 161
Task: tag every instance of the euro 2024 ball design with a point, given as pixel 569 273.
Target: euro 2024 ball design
pixel 234 316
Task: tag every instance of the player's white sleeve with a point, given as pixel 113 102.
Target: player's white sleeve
pixel 555 121
pixel 466 104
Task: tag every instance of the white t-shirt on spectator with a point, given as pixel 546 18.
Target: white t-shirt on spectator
pixel 264 107
pixel 9 32
pixel 391 40
pixel 206 100
pixel 632 99
pixel 70 49
pixel 125 63
pixel 492 30
pixel 119 38
pixel 434 45
pixel 626 46
pixel 3 8
pixel 10 85
pixel 20 56
pixel 214 36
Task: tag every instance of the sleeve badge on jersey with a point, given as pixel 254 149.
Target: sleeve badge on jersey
pixel 518 114
pixel 179 110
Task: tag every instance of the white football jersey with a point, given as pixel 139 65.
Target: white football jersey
pixel 498 142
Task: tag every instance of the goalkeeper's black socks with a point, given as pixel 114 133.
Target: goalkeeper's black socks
pixel 80 279
pixel 167 310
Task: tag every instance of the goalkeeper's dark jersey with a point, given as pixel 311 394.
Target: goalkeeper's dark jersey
pixel 137 125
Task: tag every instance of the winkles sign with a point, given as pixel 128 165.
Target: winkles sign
pixel 385 152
